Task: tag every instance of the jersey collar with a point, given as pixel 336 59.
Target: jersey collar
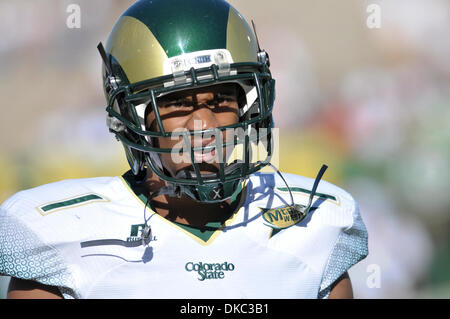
pixel 210 231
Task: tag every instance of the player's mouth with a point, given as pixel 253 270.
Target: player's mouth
pixel 204 157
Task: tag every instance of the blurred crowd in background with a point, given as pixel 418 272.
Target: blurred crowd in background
pixel 371 103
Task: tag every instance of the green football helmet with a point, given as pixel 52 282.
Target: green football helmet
pixel 162 46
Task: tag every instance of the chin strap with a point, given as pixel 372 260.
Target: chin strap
pixel 300 209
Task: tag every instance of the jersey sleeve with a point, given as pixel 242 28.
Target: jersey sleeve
pixel 24 255
pixel 351 247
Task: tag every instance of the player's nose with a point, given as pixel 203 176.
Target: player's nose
pixel 203 116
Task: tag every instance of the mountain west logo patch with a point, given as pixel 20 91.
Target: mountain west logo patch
pixel 283 217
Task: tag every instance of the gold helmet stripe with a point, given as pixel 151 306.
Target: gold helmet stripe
pixel 240 39
pixel 136 49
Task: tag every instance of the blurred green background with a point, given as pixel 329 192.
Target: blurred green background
pixel 372 103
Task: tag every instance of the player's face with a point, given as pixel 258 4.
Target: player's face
pixel 195 110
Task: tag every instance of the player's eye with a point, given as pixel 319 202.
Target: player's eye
pixel 181 103
pixel 223 99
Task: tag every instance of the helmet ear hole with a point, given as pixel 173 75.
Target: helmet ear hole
pixel 125 111
pixel 134 159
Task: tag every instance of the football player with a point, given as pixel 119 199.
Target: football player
pixel 190 96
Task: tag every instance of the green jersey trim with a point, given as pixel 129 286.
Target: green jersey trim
pixel 79 200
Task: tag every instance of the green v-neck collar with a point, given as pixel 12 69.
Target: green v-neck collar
pixel 205 234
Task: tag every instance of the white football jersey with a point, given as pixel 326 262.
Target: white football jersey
pixel 84 236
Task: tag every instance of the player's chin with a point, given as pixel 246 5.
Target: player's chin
pixel 207 170
pixel 207 163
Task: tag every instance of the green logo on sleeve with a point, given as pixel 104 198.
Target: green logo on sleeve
pixel 76 201
pixel 136 233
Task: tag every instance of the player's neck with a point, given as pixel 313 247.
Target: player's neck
pixel 186 210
